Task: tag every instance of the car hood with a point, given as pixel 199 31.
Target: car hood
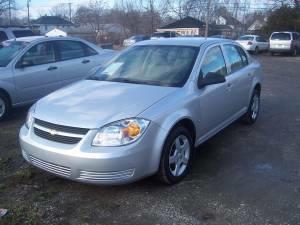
pixel 92 104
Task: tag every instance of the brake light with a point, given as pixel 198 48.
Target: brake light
pixel 250 43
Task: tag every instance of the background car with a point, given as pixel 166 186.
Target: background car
pixel 253 43
pixel 32 67
pixel 144 112
pixel 134 39
pixel 7 33
pixel 221 36
pixel 285 42
pixel 166 34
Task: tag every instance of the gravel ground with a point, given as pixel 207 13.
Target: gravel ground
pixel 247 175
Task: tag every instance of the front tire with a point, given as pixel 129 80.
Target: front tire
pixel 252 113
pixel 176 157
pixel 4 106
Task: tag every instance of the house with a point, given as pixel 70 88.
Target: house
pixel 225 24
pixel 48 23
pixel 188 26
pixel 256 27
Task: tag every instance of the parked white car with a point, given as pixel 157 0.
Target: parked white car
pixel 254 43
pixel 7 33
pixel 32 67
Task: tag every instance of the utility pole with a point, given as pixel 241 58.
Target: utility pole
pixel 9 11
pixel 28 12
pixel 207 18
pixel 70 11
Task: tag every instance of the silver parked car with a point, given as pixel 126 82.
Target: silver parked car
pixel 32 67
pixel 144 113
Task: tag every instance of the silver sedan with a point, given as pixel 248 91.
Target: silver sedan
pixel 32 67
pixel 144 113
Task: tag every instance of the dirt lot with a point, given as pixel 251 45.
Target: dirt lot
pixel 244 175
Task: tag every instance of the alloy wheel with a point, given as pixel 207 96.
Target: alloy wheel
pixel 2 107
pixel 179 155
pixel 255 106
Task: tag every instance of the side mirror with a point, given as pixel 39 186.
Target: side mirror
pixel 211 78
pixel 24 63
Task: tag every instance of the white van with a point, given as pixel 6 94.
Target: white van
pixel 285 42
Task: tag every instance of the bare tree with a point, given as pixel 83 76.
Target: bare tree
pixel 61 10
pixel 180 8
pixel 280 3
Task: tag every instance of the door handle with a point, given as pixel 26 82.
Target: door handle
pixel 85 61
pixel 229 85
pixel 52 68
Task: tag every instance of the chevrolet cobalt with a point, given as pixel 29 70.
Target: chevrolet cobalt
pixel 143 113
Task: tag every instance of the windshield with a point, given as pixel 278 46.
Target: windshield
pixel 152 65
pixel 246 38
pixel 281 36
pixel 8 50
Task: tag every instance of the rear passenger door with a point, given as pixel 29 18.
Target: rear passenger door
pixel 262 43
pixel 238 79
pixel 76 59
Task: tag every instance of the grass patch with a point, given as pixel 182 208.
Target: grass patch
pixel 22 215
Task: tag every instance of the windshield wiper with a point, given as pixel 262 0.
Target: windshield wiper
pixel 125 80
pixel 93 78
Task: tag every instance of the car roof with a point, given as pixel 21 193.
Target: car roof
pixel 185 41
pixel 35 38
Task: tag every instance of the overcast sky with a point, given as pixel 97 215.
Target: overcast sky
pixel 42 7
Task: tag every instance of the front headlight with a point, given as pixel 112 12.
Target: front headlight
pixel 122 132
pixel 29 118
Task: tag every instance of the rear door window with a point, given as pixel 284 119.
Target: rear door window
pixel 3 36
pixel 234 57
pixel 295 36
pixel 70 50
pixel 281 36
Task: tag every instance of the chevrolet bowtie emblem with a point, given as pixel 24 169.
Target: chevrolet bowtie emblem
pixel 53 132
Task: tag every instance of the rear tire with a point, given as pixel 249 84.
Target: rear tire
pixel 5 106
pixel 176 156
pixel 252 113
pixel 256 51
pixel 294 52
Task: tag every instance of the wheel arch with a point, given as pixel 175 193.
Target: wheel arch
pixel 4 92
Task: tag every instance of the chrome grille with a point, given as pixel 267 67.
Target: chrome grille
pixel 66 129
pixel 58 133
pixel 50 167
pixel 98 176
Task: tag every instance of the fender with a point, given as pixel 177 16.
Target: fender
pixel 10 89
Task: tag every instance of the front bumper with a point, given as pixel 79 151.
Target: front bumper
pixel 97 165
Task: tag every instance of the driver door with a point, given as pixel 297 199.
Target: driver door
pixel 37 72
pixel 213 99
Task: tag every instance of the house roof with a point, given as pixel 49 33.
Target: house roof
pixel 221 27
pixel 256 25
pixel 187 22
pixel 52 20
pixel 230 20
